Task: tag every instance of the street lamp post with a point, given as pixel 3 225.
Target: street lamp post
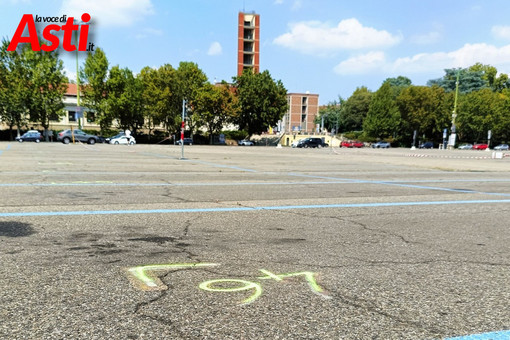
pixel 453 135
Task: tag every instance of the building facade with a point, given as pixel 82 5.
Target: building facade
pixel 248 42
pixel 301 114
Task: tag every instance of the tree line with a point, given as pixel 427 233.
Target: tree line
pixel 33 84
pixel 398 108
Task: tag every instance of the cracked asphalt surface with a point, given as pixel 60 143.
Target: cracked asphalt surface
pixel 400 247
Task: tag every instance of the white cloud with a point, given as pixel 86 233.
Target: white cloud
pixel 362 64
pixel 109 13
pixel 466 56
pixel 214 49
pixel 314 37
pixel 502 32
pixel 278 2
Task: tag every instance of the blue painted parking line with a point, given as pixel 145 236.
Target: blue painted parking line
pixel 240 209
pixel 501 335
pixel 400 184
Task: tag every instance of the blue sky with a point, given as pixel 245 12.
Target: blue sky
pixel 328 47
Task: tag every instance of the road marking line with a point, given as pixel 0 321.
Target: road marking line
pixel 238 209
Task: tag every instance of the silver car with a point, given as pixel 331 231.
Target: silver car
pixel 66 137
pixel 501 147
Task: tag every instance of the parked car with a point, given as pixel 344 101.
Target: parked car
pixel 122 139
pixel 426 145
pixel 66 137
pixel 481 146
pixel 352 144
pixel 311 143
pixel 465 146
pixel 295 143
pixel 120 134
pixel 381 145
pixel 187 141
pixel 245 142
pixel 30 136
pixel 501 147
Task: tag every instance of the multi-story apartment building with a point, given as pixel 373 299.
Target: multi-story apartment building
pixel 300 117
pixel 248 42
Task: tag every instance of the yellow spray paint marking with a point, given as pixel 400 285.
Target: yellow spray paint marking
pixel 247 285
pixel 309 276
pixel 146 277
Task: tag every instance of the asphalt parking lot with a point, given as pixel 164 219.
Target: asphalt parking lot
pixel 132 242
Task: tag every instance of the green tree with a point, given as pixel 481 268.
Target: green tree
pixel 330 115
pixel 490 75
pixel 192 82
pixel 48 85
pixel 94 91
pixel 161 97
pixel 383 117
pixel 479 112
pixel 422 108
pixel 263 101
pixel 124 102
pixel 469 81
pixel 15 94
pixel 215 105
pixel 355 109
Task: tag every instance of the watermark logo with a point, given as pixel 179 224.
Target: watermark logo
pixel 50 33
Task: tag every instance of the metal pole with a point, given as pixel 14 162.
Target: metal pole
pixel 77 84
pixel 182 127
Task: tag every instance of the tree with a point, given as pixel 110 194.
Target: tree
pixel 422 109
pixel 161 97
pixel 355 109
pixel 95 74
pixel 263 101
pixel 330 115
pixel 33 83
pixel 192 82
pixel 124 102
pixel 479 112
pixel 490 75
pixel 48 84
pixel 469 81
pixel 14 91
pixel 215 105
pixel 383 117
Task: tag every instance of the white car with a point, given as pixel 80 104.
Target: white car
pixel 295 143
pixel 123 140
pixel 245 142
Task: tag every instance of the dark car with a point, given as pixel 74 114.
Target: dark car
pixel 426 145
pixel 311 143
pixel 187 141
pixel 381 145
pixel 30 136
pixel 66 137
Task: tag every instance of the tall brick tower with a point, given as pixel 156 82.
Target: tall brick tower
pixel 248 46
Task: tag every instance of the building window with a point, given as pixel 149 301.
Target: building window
pixel 91 117
pixel 248 46
pixel 71 116
pixel 248 34
pixel 248 59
